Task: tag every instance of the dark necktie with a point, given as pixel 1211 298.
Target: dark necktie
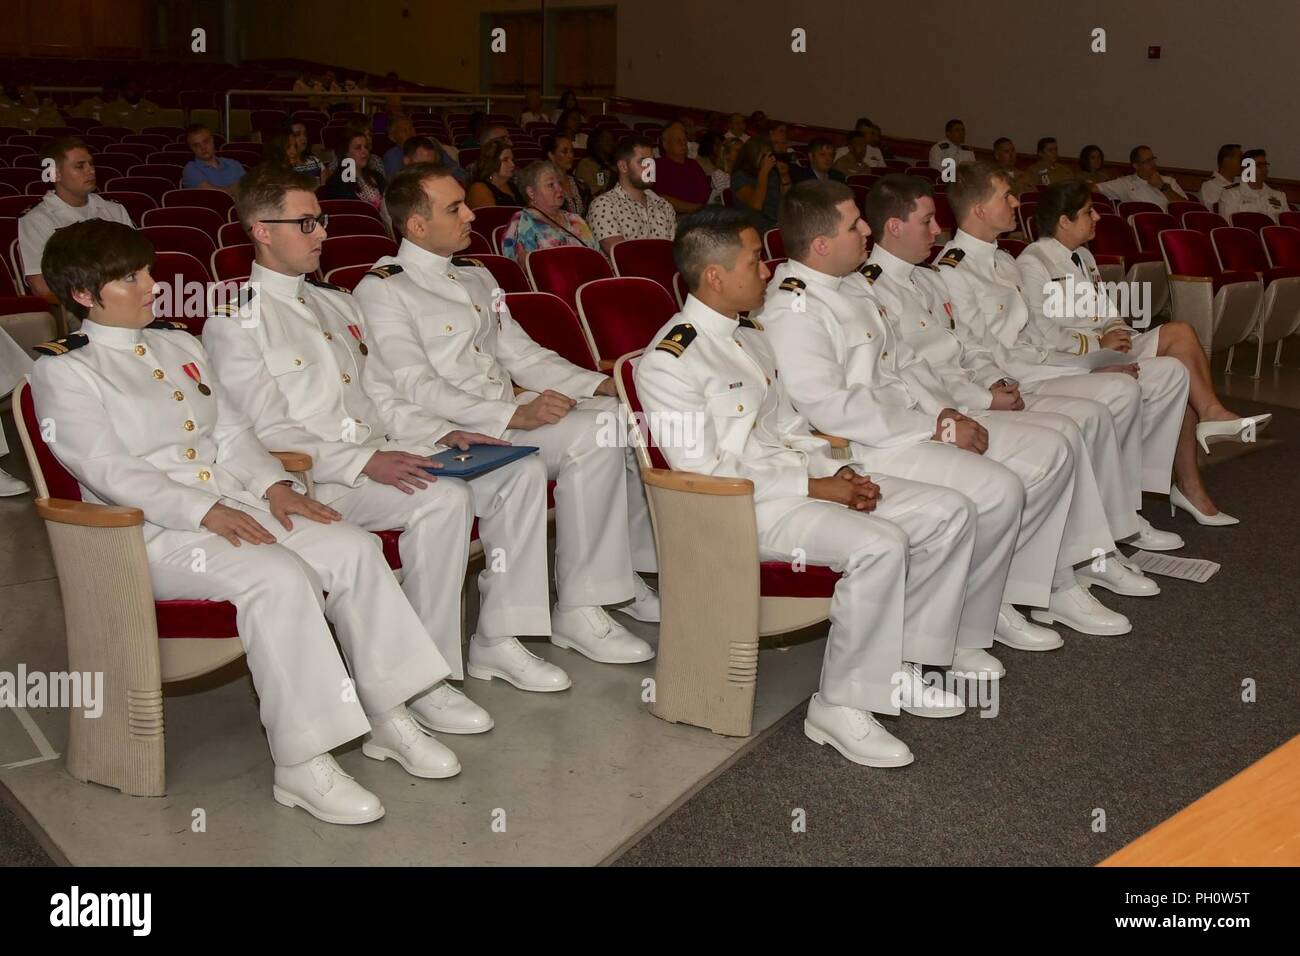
pixel 1075 258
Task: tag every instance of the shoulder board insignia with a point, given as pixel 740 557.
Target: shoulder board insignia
pixel 747 323
pixel 385 271
pixel 169 325
pixel 952 257
pixel 678 337
pixel 931 266
pixel 64 345
pixel 792 283
pixel 328 285
pixel 871 271
pixel 467 261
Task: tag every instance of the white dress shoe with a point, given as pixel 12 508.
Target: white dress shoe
pixel 400 738
pixel 1077 609
pixel 11 486
pixel 645 606
pixel 920 699
pixel 1014 630
pixel 856 734
pixel 446 710
pixel 975 663
pixel 1119 577
pixel 1234 430
pixel 321 788
pixel 1179 500
pixel 1150 538
pixel 593 633
pixel 515 664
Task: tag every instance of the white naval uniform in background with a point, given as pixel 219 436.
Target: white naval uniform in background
pixel 946 150
pixel 135 429
pixel 1212 189
pixel 296 369
pixel 992 316
pixel 453 346
pixel 1243 197
pixel 849 375
pixel 1046 264
pixel 1133 188
pixel 914 302
pixel 904 565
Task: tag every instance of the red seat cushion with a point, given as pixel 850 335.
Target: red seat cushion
pixel 779 579
pixel 211 619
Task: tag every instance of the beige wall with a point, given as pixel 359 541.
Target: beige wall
pixel 1228 71
pixel 437 44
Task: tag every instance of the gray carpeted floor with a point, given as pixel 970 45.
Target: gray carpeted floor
pixel 1136 726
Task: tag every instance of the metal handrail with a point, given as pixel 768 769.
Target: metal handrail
pixel 431 99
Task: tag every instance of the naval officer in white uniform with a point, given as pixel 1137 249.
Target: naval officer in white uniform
pixel 914 302
pixel 297 363
pixel 140 421
pixel 984 286
pixel 442 327
pixel 1073 312
pixel 904 548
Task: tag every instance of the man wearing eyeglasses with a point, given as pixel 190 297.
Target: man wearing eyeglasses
pixel 1145 183
pixel 295 356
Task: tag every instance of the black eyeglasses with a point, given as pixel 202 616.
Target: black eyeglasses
pixel 307 223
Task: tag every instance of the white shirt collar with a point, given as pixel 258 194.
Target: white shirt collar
pixel 894 268
pixel 112 336
pixel 422 260
pixel 706 318
pixel 810 274
pixel 275 283
pixel 975 248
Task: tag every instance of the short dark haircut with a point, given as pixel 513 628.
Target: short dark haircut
pixel 1000 140
pixel 86 256
pixel 196 128
pixel 405 195
pixel 58 149
pixel 808 210
pixel 262 191
pixel 863 121
pixel 947 127
pixel 894 197
pixel 415 143
pixel 1065 198
pixel 1254 153
pixel 820 142
pixel 628 145
pixel 1088 151
pixel 708 237
pixel 854 134
pixel 974 185
pixel 1225 151
pixel 1043 143
pixel 1135 152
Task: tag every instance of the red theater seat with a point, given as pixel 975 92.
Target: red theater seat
pixel 563 269
pixel 622 314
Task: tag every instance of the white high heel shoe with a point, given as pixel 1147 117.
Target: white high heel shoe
pixel 1178 500
pixel 1231 429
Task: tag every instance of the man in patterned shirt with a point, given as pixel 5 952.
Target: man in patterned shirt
pixel 632 210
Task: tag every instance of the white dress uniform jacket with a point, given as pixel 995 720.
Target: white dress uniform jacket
pixel 36 227
pixel 715 380
pixel 140 421
pixel 442 327
pixel 945 150
pixel 300 367
pixel 1133 188
pixel 1212 189
pixel 986 288
pixel 836 352
pixel 914 301
pixel 1068 304
pixel 1243 197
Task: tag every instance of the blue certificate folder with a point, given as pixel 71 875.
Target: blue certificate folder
pixel 479 460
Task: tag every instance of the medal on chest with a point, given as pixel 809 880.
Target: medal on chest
pixel 193 372
pixel 356 334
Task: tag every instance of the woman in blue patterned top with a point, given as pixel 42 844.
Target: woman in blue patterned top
pixel 544 223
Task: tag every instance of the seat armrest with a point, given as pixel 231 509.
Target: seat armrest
pixel 695 483
pixel 87 515
pixel 294 461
